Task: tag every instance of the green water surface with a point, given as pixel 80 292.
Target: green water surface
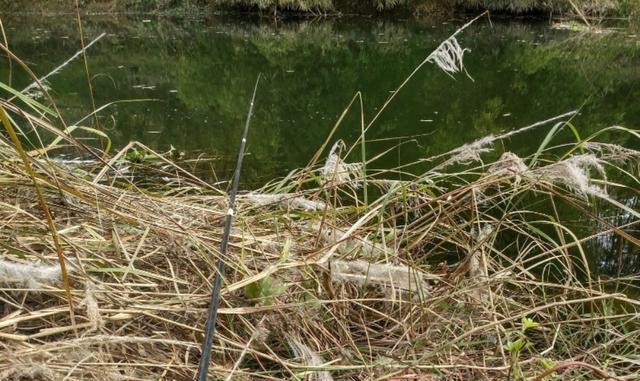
pixel 200 74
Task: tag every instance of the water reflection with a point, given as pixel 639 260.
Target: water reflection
pixel 200 75
pixel 612 253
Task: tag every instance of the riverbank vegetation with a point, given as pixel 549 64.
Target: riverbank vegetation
pixel 485 265
pixel 574 8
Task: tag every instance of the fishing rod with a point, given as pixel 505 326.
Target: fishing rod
pixel 207 342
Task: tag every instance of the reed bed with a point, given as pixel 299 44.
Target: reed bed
pixel 321 285
pixel 339 271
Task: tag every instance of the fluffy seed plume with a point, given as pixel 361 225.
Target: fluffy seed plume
pixel 574 173
pixel 470 152
pixel 379 274
pixel 31 275
pixel 284 199
pixel 613 152
pixel 449 56
pixel 335 170
pixel 509 164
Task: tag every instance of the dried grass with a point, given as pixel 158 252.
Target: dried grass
pixel 145 259
pixel 466 255
pixel 311 359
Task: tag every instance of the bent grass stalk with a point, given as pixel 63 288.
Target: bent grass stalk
pixel 430 58
pixel 45 209
pixel 86 65
pixel 6 43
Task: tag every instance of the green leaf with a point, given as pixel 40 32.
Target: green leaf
pixel 33 104
pixel 547 363
pixel 552 133
pixel 136 155
pixel 515 346
pixel 528 323
pixel 264 291
pixel 286 251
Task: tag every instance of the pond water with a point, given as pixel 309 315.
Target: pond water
pixel 197 76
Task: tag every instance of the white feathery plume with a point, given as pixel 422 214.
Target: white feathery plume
pixel 31 275
pixel 472 151
pixel 574 173
pixel 449 57
pixel 469 152
pixel 285 199
pixel 613 152
pixel 509 164
pixel 380 274
pixel 336 170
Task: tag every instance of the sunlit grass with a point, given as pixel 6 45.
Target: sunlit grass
pixel 472 269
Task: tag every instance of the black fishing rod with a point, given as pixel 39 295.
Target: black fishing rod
pixel 207 342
